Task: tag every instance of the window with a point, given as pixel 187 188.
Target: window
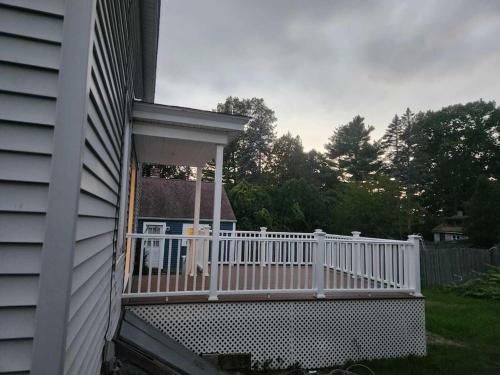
pixel 154 249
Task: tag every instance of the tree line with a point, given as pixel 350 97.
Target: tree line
pixel 428 165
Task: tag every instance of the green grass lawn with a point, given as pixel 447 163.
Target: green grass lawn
pixel 465 338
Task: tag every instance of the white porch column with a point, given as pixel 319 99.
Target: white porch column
pixel 197 201
pixel 197 250
pixel 219 159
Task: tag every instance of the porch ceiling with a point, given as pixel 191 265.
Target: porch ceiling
pixel 177 135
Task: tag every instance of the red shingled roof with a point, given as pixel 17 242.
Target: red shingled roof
pixel 174 199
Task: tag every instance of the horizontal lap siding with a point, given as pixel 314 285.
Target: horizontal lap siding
pixel 90 302
pixel 30 39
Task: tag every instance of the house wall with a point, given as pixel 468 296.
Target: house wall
pixel 175 227
pixel 449 237
pixel 95 294
pixel 31 34
pixel 31 45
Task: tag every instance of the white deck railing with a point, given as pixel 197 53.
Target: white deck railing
pixel 261 262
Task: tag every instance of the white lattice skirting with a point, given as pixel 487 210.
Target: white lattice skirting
pixel 313 333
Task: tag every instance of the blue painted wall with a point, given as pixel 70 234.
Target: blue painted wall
pixel 176 228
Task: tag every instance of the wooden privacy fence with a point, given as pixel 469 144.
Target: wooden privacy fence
pixel 441 266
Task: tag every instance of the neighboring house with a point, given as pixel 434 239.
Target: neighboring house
pixel 77 121
pixel 451 229
pixel 167 206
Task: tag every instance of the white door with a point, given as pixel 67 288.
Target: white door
pixel 154 249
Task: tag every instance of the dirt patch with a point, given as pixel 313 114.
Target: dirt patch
pixel 439 304
pixel 434 339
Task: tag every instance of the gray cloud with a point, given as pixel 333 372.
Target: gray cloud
pixel 319 63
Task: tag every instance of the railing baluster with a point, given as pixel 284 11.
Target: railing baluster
pixel 169 265
pixel 177 266
pixel 262 263
pixel 245 263
pixel 391 269
pixel 195 271
pixel 300 250
pixel 231 262
pixel 347 265
pixel 270 262
pixel 139 287
pixel 307 266
pixel 400 267
pixel 283 283
pixel 150 266
pixel 342 263
pixel 254 262
pixel 369 265
pixel 223 244
pixel 357 266
pixel 327 264
pixel 292 266
pixel 160 266
pixel 238 261
pixel 334 268
pixel 131 266
pixel 184 268
pixel 386 267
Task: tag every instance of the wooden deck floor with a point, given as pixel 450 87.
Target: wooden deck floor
pixel 269 277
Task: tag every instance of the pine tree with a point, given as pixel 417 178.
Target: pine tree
pixel 397 146
pixel 393 146
pixel 352 152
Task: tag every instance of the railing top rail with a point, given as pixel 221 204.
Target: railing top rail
pixel 338 236
pixel 368 240
pixel 376 239
pixel 270 236
pixel 168 236
pixel 267 232
pixel 210 237
pixel 242 233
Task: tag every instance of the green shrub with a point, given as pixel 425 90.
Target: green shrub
pixel 485 285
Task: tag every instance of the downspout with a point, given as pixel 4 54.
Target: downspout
pixel 123 187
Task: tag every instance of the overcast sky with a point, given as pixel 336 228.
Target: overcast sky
pixel 320 63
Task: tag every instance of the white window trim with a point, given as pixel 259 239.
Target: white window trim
pixel 145 224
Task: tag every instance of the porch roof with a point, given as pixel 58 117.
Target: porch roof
pixel 167 134
pixel 175 199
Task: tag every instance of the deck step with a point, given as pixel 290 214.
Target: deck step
pixel 141 344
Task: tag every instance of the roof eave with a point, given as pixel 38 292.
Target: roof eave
pixel 150 30
pixel 160 113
